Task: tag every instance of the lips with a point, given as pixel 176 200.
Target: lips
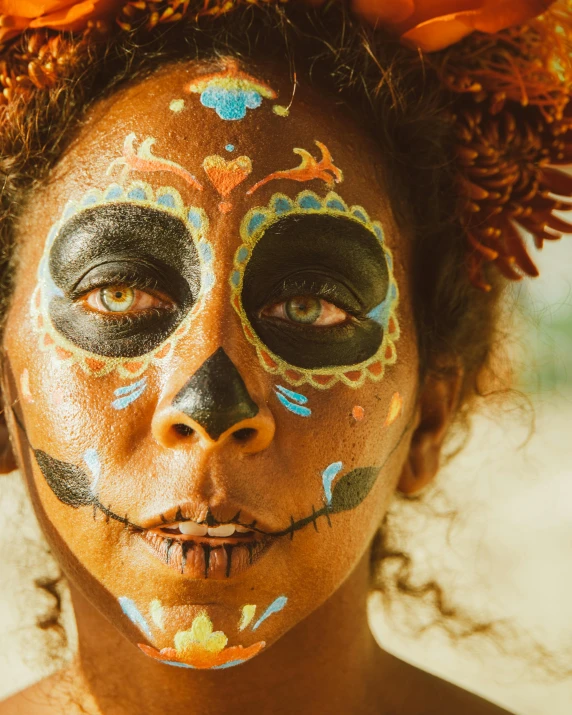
pixel 200 551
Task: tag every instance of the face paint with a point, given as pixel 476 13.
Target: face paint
pixel 215 397
pixel 91 458
pixel 321 248
pixel 275 607
pixel 225 175
pixel 177 105
pixel 248 613
pixel 293 401
pixel 328 476
pixel 200 646
pixel 122 236
pixel 144 161
pixel 128 394
pixel 231 92
pixel 308 170
pixel 358 413
pixel 394 411
pixel 130 609
pixel 25 386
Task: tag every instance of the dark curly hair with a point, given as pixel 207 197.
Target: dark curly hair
pixel 400 101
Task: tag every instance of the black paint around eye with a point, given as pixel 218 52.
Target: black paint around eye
pixel 300 250
pixel 143 247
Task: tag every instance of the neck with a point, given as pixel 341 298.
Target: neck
pixel 329 662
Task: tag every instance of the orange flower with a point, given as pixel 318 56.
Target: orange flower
pixel 435 24
pixel 19 15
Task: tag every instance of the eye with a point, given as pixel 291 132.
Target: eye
pixel 123 299
pixel 307 310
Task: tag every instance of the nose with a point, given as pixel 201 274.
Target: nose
pixel 215 406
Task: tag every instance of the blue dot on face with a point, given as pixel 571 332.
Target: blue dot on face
pixel 310 202
pixel 137 194
pixel 229 147
pixel 255 222
pixel 360 215
pixel 242 254
pixel 336 205
pixel 113 193
pixel 194 218
pixel 89 200
pixel 205 251
pixel 166 200
pixel 282 206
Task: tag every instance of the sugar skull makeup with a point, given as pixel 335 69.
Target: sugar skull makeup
pixel 204 360
pixel 115 248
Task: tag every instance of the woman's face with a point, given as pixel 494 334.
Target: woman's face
pixel 211 360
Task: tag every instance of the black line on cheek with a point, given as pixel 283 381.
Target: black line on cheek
pixel 250 548
pixel 207 548
pixel 185 547
pixel 228 549
pixel 169 543
pixel 315 518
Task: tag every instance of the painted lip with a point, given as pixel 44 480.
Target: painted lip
pixel 202 514
pixel 199 557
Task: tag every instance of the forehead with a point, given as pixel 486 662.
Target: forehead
pixel 223 123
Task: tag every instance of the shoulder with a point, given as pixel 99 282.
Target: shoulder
pixel 50 696
pixel 422 693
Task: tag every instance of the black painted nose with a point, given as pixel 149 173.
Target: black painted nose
pixel 215 396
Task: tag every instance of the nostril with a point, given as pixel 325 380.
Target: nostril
pixel 244 435
pixel 183 430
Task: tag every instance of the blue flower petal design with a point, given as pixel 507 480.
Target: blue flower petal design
pixel 230 104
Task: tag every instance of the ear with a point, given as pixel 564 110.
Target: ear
pixel 438 402
pixel 7 459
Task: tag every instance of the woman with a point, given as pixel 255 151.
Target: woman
pixel 246 299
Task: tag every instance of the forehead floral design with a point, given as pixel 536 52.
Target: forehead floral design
pixel 506 68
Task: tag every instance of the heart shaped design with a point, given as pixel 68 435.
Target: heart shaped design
pixel 226 175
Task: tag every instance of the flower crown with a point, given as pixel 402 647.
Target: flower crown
pixel 512 57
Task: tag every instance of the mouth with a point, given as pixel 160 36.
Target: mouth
pixel 199 551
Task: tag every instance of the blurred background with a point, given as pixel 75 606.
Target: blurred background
pixel 507 554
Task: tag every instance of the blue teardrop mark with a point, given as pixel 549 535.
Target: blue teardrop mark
pixel 328 476
pixel 134 614
pixel 275 607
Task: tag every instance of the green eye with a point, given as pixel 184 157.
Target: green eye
pixel 305 309
pixel 117 299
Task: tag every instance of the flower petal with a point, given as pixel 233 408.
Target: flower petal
pixel 74 17
pixel 384 13
pixel 31 8
pixel 437 34
pixel 12 26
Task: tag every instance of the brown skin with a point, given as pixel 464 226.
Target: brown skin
pixel 273 476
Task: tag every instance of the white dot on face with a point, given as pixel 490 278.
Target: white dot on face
pixel 177 105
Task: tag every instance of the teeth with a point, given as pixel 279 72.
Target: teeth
pixel 190 528
pixel 242 529
pixel 222 530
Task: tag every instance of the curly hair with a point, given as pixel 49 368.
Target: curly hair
pixel 401 101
